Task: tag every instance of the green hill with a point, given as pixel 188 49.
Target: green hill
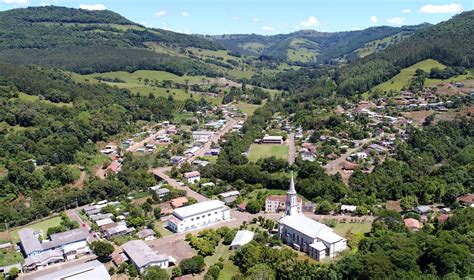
pixel 93 41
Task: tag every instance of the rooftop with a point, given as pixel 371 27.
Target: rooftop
pixel 141 254
pixel 242 237
pixel 198 208
pixel 192 174
pixel 89 270
pixel 310 227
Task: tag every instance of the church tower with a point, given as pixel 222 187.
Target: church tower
pixel 291 199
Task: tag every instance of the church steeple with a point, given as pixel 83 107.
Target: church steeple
pixel 291 199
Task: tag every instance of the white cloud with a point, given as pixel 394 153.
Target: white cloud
pixel 452 8
pixel 406 11
pixel 256 19
pixel 310 22
pixel 160 13
pixel 268 28
pixel 396 20
pixel 185 14
pixel 235 18
pixel 92 7
pixel 16 2
pixel 373 19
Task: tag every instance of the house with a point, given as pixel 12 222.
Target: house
pixel 98 217
pixel 304 234
pixel 177 160
pixel 229 196
pixel 412 224
pixel 359 156
pixel 192 177
pixel 179 202
pixel 104 222
pixel 423 209
pixel 349 166
pixel 146 234
pixel 60 247
pixel 277 203
pixel 242 238
pixel 191 151
pixel 88 270
pixel 142 256
pixel 467 200
pixel 242 207
pixel 377 148
pixel 198 215
pixel 113 168
pixel 162 192
pixel 272 139
pixel 202 163
pixel 202 136
pixel 117 229
pixel 213 152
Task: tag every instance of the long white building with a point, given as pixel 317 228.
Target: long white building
pixel 198 215
pixel 305 234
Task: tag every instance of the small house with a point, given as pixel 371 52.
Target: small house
pixel 192 177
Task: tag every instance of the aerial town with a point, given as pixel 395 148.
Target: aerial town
pixel 131 151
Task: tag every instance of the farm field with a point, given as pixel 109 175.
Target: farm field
pixel 402 79
pixel 258 151
pixel 41 226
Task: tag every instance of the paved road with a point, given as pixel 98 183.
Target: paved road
pixel 74 215
pixel 291 148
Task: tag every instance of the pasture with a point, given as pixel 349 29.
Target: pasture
pixel 258 151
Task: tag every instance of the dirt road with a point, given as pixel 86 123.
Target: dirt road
pixel 291 148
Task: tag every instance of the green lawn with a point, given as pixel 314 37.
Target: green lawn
pixel 230 270
pixel 344 228
pixel 402 79
pixel 160 227
pixel 8 257
pixel 258 151
pixel 249 109
pixel 222 251
pixel 41 226
pixel 34 98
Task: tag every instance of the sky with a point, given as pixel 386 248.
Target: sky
pixel 265 16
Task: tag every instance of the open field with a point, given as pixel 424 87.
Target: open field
pixel 402 79
pixel 230 270
pixel 34 98
pixel 418 117
pixel 247 108
pixel 41 226
pixel 301 55
pixel 344 228
pixel 258 151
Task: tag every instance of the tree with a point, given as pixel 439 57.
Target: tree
pixel 155 273
pixel 157 213
pixel 254 206
pixel 132 271
pixel 408 202
pixel 260 272
pixel 102 249
pixel 192 265
pixel 325 207
pixel 13 273
pixel 176 272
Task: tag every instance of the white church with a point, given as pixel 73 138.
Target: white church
pixel 302 233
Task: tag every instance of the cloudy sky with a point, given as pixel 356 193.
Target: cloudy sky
pixel 266 16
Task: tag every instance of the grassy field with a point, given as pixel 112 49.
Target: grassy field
pixel 41 226
pixel 344 228
pixel 230 270
pixel 468 75
pixel 402 79
pixel 249 109
pixel 258 151
pixel 34 98
pixel 301 55
pixel 8 257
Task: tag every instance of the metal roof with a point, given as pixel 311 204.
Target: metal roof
pixel 242 237
pixel 310 227
pixel 29 241
pixel 89 270
pixel 141 254
pixel 198 208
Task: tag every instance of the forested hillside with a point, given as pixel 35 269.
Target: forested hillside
pixel 448 42
pixel 88 41
pixel 324 47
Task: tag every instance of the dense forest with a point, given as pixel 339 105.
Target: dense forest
pixel 92 41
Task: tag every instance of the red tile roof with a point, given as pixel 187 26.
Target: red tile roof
pixel 412 223
pixel 178 202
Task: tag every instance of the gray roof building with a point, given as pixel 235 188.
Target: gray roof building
pixel 31 244
pixel 90 270
pixel 142 256
pixel 29 241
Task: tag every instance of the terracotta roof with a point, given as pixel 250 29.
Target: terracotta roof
pixel 178 202
pixel 468 198
pixel 443 218
pixel 114 166
pixel 412 223
pixel 192 174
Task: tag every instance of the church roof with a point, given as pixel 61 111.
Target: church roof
pixel 292 189
pixel 310 227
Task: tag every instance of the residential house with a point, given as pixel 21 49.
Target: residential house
pixel 412 224
pixel 146 234
pixel 277 203
pixel 113 168
pixel 192 177
pixel 423 209
pixel 467 200
pixel 178 202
